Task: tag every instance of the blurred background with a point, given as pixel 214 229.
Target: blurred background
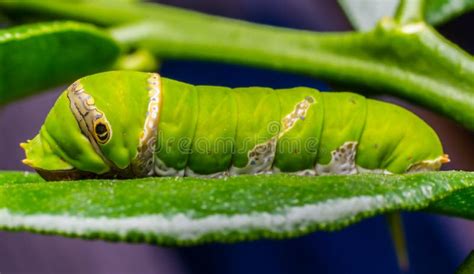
pixel 436 244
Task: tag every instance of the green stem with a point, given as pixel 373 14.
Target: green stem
pixel 407 60
pixel 395 224
pixel 410 11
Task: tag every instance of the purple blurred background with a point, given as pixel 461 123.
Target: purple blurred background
pixel 437 244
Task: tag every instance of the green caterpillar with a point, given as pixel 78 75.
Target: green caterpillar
pixel 125 124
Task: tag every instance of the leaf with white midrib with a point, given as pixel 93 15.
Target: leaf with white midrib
pixel 180 211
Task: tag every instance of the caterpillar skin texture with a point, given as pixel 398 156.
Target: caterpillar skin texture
pixel 132 124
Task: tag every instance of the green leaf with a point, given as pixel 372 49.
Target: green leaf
pixel 467 267
pixel 364 14
pixel 440 11
pixel 39 56
pixel 460 203
pixel 181 211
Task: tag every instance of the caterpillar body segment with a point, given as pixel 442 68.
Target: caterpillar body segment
pixel 131 124
pixel 250 138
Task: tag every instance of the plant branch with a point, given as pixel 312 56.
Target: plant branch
pixel 395 224
pixel 406 60
pixel 410 11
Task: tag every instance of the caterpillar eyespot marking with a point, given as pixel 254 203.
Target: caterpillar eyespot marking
pixel 125 124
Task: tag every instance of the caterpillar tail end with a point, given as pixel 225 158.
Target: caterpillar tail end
pixel 429 165
pixel 445 159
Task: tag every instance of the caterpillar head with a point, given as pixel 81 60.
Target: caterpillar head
pixel 96 128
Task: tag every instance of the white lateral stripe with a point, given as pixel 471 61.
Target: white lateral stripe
pixel 185 227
